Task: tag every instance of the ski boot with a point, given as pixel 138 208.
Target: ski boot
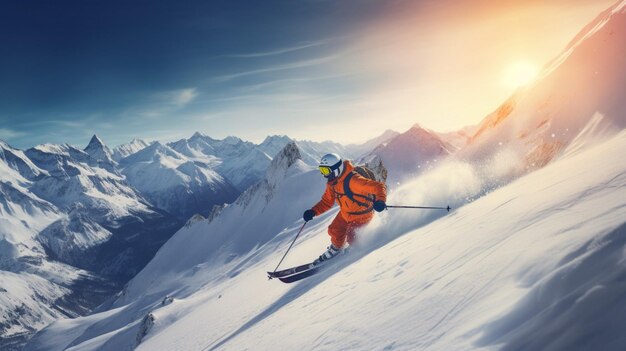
pixel 331 252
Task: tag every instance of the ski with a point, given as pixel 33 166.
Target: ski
pixel 299 276
pixel 290 271
pixel 311 270
pixel 296 273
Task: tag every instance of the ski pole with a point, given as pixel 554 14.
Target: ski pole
pixel 422 207
pixel 286 252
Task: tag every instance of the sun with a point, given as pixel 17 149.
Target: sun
pixel 519 74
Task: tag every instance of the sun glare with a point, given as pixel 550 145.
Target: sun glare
pixel 519 74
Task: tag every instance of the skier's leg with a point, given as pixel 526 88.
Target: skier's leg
pixel 337 231
pixel 353 226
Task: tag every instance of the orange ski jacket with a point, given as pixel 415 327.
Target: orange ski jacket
pixel 366 191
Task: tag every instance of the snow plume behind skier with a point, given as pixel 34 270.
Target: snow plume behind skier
pixel 358 197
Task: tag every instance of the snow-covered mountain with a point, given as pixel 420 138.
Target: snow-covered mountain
pixel 175 183
pixel 67 220
pixel 410 153
pixel 101 153
pixel 580 91
pixel 14 160
pixel 32 287
pixel 239 161
pixel 76 177
pixel 129 148
pixel 360 150
pixel 311 151
pixel 244 163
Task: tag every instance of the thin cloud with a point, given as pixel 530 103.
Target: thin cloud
pixel 6 133
pixel 286 66
pixel 287 81
pixel 163 102
pixel 179 97
pixel 302 46
pixel 62 123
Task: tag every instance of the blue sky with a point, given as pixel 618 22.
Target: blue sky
pixel 314 69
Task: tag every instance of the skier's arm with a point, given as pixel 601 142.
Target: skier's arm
pixel 366 186
pixel 327 201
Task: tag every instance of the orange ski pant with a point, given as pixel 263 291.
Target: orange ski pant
pixel 341 230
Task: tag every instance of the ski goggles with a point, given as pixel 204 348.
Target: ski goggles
pixel 325 170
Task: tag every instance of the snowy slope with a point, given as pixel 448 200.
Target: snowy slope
pixel 472 279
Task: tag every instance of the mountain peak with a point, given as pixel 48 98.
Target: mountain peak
pixel 5 145
pixel 99 151
pixel 232 140
pixel 288 156
pixel 138 141
pixel 95 142
pixel 419 131
pixel 129 148
pixel 198 135
pixel 276 138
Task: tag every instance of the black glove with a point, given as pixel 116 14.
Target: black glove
pixel 308 215
pixel 380 205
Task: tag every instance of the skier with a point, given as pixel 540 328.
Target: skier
pixel 357 197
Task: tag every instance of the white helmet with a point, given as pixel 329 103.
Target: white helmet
pixel 331 166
